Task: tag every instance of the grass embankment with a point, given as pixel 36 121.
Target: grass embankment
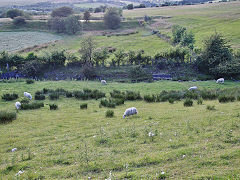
pixel 69 143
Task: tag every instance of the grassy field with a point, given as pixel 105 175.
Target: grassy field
pixel 12 41
pixel 203 20
pixel 71 143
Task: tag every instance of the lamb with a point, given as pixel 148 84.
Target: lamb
pixel 18 105
pixel 193 88
pixel 103 82
pixel 220 80
pixel 129 112
pixel 28 95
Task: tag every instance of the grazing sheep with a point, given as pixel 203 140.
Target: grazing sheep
pixel 103 82
pixel 130 111
pixel 17 105
pixel 28 95
pixel 193 88
pixel 14 149
pixel 220 81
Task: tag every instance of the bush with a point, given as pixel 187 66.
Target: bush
pixel 31 106
pixel 6 117
pixel 130 95
pixel 171 101
pixel 208 94
pixel 188 103
pixel 149 98
pixel 199 101
pixel 84 106
pixel 62 12
pixel 112 18
pixel 166 95
pixel 89 72
pixel 60 91
pixel 238 98
pixel 40 97
pixel 32 68
pixel 9 97
pixel 225 98
pixel 117 94
pixel 109 113
pixel 69 94
pixel 88 94
pixel 19 21
pixel 54 96
pixel 106 103
pixel 12 13
pixel 45 90
pixel 211 108
pixel 53 106
pixel 191 95
pixel 30 81
pixel 24 100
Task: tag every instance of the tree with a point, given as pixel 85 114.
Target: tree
pixel 120 57
pixel 62 12
pixel 112 18
pixel 12 13
pixel 19 21
pixel 178 32
pixel 100 57
pixel 72 25
pixel 87 49
pixel 188 40
pixel 216 53
pixel 86 16
pixel 130 6
pixel 57 24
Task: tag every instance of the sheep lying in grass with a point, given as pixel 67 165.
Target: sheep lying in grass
pixel 193 88
pixel 28 95
pixel 17 105
pixel 103 82
pixel 220 81
pixel 130 111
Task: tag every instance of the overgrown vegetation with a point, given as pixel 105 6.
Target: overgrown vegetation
pixel 6 117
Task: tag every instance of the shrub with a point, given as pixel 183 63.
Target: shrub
pixel 109 113
pixel 211 108
pixel 39 97
pixel 238 98
pixel 118 101
pixel 45 90
pixel 24 100
pixel 89 72
pixel 19 21
pixel 54 96
pixel 53 106
pixel 60 91
pixel 9 97
pixel 149 98
pixel 88 94
pixel 171 101
pixel 84 106
pixel 32 68
pixel 31 106
pixel 106 103
pixel 117 94
pixel 6 117
pixel 188 103
pixel 208 94
pixel 30 81
pixel 200 101
pixel 225 98
pixel 112 18
pixel 69 94
pixel 191 95
pixel 130 95
pixel 166 95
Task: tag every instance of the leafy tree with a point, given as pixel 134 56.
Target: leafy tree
pixel 188 40
pixel 57 24
pixel 100 57
pixel 89 71
pixel 130 6
pixel 216 52
pixel 178 32
pixel 32 68
pixel 62 12
pixel 86 16
pixel 19 21
pixel 72 25
pixel 87 48
pixel 112 18
pixel 12 13
pixel 120 57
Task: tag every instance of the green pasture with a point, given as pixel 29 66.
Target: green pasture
pixel 203 20
pixel 69 143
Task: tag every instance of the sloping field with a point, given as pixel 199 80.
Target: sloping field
pixel 202 20
pixel 13 41
pixel 69 143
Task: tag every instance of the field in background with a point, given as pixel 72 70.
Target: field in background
pixel 203 20
pixel 76 144
pixel 13 41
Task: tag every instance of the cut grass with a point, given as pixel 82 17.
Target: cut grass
pixel 74 144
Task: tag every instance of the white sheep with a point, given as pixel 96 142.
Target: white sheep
pixel 17 105
pixel 103 82
pixel 220 80
pixel 130 111
pixel 28 95
pixel 193 88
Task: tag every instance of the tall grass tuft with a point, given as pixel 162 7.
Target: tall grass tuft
pixel 6 117
pixel 9 97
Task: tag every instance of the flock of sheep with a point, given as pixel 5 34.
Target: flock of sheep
pixel 128 112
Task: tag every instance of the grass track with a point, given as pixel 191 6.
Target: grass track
pixel 57 138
